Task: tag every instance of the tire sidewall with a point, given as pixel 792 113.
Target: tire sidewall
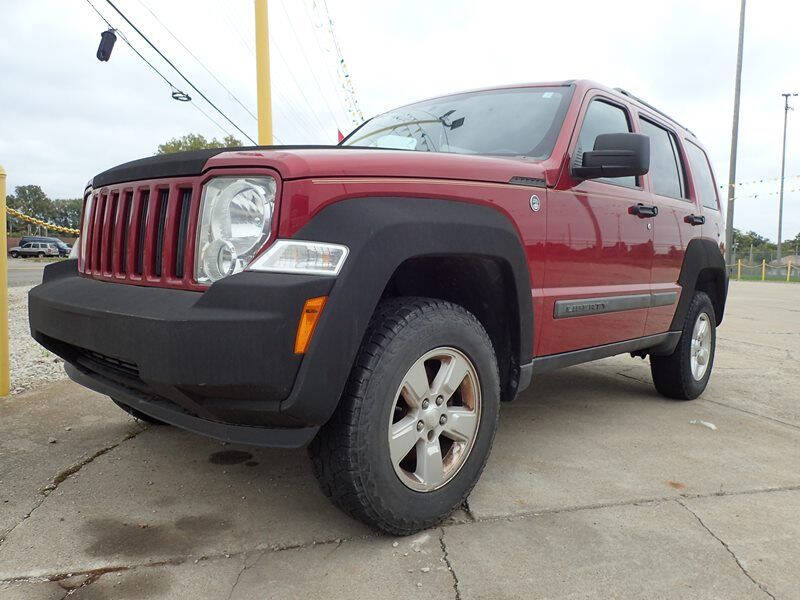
pixel 419 336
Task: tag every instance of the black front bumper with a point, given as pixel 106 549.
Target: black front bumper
pixel 220 362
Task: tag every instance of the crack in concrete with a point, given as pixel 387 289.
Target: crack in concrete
pixel 750 412
pixel 631 502
pixel 446 558
pixel 760 585
pixel 177 560
pixel 263 549
pixel 245 566
pixel 634 378
pixel 64 474
pixel 468 510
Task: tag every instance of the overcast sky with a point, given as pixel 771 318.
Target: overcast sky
pixel 65 116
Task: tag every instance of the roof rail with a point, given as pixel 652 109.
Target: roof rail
pixel 651 107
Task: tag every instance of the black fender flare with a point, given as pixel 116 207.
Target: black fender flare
pixel 381 233
pixel 703 264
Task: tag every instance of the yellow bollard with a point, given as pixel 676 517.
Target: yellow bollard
pixel 5 377
pixel 763 269
pixel 788 271
pixel 739 269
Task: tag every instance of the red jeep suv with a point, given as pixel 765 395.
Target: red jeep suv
pixel 377 300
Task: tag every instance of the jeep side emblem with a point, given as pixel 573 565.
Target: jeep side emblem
pixel 535 205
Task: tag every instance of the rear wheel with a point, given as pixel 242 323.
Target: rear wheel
pixel 417 420
pixel 684 374
pixel 137 414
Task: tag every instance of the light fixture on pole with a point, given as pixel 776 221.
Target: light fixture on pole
pixel 786 109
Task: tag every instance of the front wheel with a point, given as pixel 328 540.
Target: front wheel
pixel 684 374
pixel 415 425
pixel 40 255
pixel 15 254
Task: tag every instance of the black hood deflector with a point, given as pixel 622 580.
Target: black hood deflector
pixel 179 164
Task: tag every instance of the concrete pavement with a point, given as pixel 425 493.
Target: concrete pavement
pixel 596 488
pixel 23 272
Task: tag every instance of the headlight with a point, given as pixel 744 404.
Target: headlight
pixel 73 252
pixel 235 219
pixel 295 256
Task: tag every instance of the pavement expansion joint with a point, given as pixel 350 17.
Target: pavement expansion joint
pixel 760 585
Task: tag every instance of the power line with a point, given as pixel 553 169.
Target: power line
pixel 288 105
pixel 170 63
pixel 305 57
pixel 348 82
pixel 192 54
pixel 139 54
pixel 314 28
pixel 149 64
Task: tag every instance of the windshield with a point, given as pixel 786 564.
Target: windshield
pixel 510 122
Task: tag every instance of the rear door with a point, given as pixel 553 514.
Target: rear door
pixel 598 253
pixel 672 228
pixel 705 190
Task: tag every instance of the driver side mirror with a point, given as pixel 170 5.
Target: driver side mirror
pixel 616 155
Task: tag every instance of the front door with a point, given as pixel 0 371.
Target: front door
pixel 598 252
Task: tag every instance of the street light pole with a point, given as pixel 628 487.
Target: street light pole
pixel 734 139
pixel 262 74
pixel 786 109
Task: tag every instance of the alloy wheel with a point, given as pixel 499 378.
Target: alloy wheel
pixel 434 419
pixel 700 352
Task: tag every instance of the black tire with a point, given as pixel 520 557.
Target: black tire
pixel 40 255
pixel 138 415
pixel 15 254
pixel 672 375
pixel 350 454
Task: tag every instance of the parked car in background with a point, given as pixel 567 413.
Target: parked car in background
pixel 39 249
pixel 376 301
pixel 63 248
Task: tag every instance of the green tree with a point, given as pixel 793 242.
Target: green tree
pixel 31 200
pixel 67 212
pixel 744 240
pixel 195 141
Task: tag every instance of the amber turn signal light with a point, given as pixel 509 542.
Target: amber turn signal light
pixel 312 310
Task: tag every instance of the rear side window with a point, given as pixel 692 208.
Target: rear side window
pixel 667 173
pixel 602 117
pixel 701 172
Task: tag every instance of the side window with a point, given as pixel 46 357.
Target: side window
pixel 666 167
pixel 602 117
pixel 27 245
pixel 701 172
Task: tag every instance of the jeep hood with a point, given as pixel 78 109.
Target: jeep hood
pixel 297 162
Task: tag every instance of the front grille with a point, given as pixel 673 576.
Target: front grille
pixel 141 233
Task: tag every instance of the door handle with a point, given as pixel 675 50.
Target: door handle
pixel 643 212
pixel 695 219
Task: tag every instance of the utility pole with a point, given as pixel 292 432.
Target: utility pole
pixel 734 140
pixel 786 109
pixel 262 74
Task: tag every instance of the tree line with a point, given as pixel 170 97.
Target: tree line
pixel 32 201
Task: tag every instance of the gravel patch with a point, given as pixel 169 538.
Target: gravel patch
pixel 31 364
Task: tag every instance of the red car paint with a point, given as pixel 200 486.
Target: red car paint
pixel 581 243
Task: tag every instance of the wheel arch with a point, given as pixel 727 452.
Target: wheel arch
pixel 703 269
pixel 389 239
